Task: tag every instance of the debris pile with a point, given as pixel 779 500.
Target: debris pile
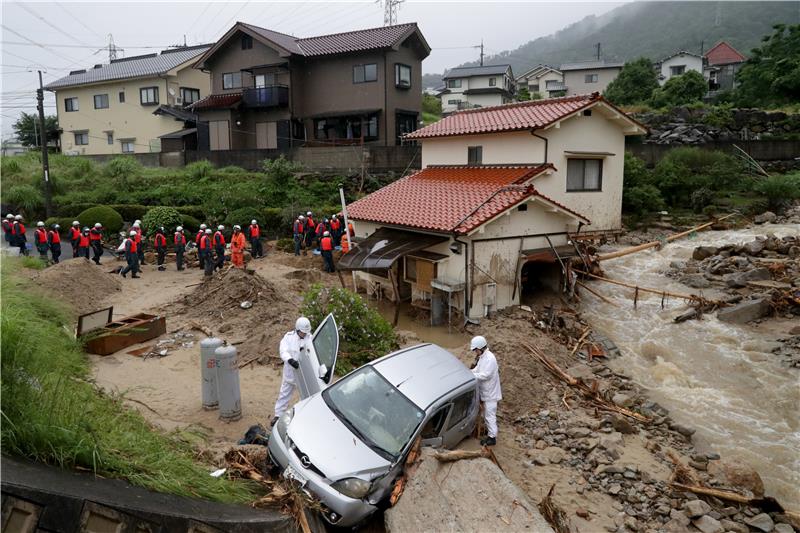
pixel 82 284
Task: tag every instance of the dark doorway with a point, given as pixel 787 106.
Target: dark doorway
pixel 539 278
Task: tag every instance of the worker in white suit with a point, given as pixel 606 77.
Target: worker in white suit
pixel 291 347
pixel 488 376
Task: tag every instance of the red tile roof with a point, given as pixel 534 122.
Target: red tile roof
pixel 217 101
pixel 723 53
pixel 534 114
pixel 451 199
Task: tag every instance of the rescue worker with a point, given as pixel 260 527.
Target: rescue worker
pixel 219 247
pixel 204 253
pixel 75 237
pixel 160 245
pixel 137 227
pixel 347 241
pixel 96 238
pixel 131 255
pixel 336 231
pixel 254 236
pixel 40 240
pixel 298 229
pixel 310 227
pixel 292 347
pixel 7 223
pixel 83 244
pixel 180 246
pixel 488 376
pixel 320 231
pixel 54 242
pixel 326 249
pixel 18 237
pixel 237 247
pixel 200 233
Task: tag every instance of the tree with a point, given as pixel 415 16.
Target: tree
pixel 634 84
pixel 772 74
pixel 431 105
pixel 680 90
pixel 27 129
pixel 523 95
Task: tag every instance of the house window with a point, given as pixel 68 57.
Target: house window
pixel 453 84
pixel 404 123
pixel 110 137
pixel 351 127
pixel 453 102
pixel 264 80
pixel 584 175
pixel 71 104
pixel 128 146
pixel 101 101
pixel 189 96
pixel 371 127
pixel 365 73
pixel 122 97
pixel 474 155
pixel 590 78
pixel 232 80
pixel 677 70
pixel 247 42
pixel 534 88
pixel 148 95
pixel 82 138
pixel 402 76
pixel 492 82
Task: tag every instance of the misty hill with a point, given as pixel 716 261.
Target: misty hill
pixel 651 29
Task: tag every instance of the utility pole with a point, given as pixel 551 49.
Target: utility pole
pixel 598 51
pixel 481 52
pixel 43 137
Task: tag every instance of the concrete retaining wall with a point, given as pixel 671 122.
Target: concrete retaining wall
pixel 758 150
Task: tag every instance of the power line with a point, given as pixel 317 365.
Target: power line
pixel 59 30
pixel 62 45
pixel 34 43
pixel 79 21
pixel 224 26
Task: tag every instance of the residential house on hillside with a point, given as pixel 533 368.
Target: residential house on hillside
pixel 272 91
pixel 109 109
pixel 502 194
pixel 677 64
pixel 722 62
pixel 589 76
pixel 468 87
pixel 544 80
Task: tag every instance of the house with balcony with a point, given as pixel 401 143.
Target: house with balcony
pixel 470 87
pixel 678 64
pixel 543 80
pixel 589 76
pixel 273 91
pixel 126 106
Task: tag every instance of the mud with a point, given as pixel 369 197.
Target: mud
pixel 83 285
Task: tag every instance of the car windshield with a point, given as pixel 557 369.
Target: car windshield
pixel 373 409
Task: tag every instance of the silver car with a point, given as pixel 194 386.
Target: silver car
pixel 346 443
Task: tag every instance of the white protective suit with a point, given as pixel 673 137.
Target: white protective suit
pixel 488 376
pixel 289 349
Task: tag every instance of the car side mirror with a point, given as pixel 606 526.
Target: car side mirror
pixel 322 371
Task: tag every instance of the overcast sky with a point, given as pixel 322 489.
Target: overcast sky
pixel 62 36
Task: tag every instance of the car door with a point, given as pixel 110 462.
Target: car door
pixel 318 358
pixel 433 429
pixel 462 418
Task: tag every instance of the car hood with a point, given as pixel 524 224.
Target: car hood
pixel 330 445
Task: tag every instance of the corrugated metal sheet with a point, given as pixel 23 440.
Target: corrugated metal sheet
pixel 465 72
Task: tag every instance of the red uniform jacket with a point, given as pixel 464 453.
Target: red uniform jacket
pixel 160 241
pixel 41 236
pixel 326 243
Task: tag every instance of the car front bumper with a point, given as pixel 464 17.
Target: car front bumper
pixel 350 511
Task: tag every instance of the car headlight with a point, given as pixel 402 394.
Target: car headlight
pixel 353 487
pixel 284 421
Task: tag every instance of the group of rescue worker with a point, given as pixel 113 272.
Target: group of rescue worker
pixel 211 246
pixel 48 241
pixel 324 236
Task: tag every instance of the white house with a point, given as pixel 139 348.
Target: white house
pixel 491 214
pixel 589 76
pixel 677 64
pixel 543 79
pixel 468 87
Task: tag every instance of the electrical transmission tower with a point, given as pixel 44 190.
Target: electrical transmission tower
pixel 112 48
pixel 390 8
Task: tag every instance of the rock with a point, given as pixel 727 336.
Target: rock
pixel 755 247
pixel 631 523
pixel 765 217
pixel 706 524
pixel 736 527
pixel 697 281
pixel 740 279
pixel 581 371
pixel 579 432
pixel 794 251
pixel 609 469
pixel 737 475
pixel 614 488
pixel 696 508
pixel 783 528
pixel 795 330
pixel 745 311
pixel 762 522
pixel 683 430
pixel 611 440
pixel 623 425
pixel 701 252
pixel 583 513
pixel 553 454
pixel 697 465
pixel 623 400
pixel 680 517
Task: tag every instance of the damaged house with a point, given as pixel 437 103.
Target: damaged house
pixel 503 193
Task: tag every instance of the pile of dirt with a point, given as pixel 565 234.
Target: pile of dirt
pixel 83 285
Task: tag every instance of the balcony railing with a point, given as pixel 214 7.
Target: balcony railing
pixel 270 96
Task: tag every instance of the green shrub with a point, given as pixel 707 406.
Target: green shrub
pixel 686 169
pixel 780 189
pixel 10 166
pixel 166 217
pixel 122 170
pixel 130 212
pixel 272 221
pixel 710 210
pixel 199 169
pixel 720 116
pixel 64 222
pixel 243 216
pixel 108 217
pixel 195 211
pixel 680 90
pixel 280 170
pixel 285 245
pixel 701 198
pixel 24 198
pixel 364 334
pixel 73 210
pixel 642 199
pixel 190 223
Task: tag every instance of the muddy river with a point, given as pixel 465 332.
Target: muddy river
pixel 719 378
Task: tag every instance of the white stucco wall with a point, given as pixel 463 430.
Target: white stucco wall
pixel 689 61
pixel 575 80
pixel 514 147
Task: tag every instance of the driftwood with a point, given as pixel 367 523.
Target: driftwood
pixel 594 292
pixel 691 297
pixel 198 327
pixel 449 456
pixel 655 244
pixel 580 341
pixel 590 393
pixel 554 515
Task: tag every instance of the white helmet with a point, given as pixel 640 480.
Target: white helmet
pixel 98 225
pixel 18 217
pixel 179 228
pixel 303 325
pixel 56 226
pixel 220 227
pixel 208 232
pixel 237 226
pixel 76 223
pixel 301 217
pixel 308 213
pixel 132 233
pixel 136 224
pixel 137 221
pixel 9 216
pixel 203 226
pixel 40 224
pixel 254 221
pixel 326 234
pixel 478 343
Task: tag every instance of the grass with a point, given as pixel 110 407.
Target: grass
pixel 35 263
pixel 52 413
pixel 430 118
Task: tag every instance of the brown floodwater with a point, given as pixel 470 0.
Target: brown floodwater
pixel 716 377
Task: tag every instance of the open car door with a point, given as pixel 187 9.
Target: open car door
pixel 318 359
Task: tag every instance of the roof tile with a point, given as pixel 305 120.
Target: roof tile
pixel 723 53
pixel 217 101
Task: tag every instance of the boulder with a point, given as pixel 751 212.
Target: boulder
pixel 745 311
pixel 553 454
pixel 707 524
pixel 697 281
pixel 783 528
pixel 696 508
pixel 761 522
pixel 740 279
pixel 765 217
pixel 701 252
pixel 755 247
pixel 737 475
pixel 736 527
pixel 623 400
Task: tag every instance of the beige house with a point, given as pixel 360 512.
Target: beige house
pixel 544 80
pixel 126 106
pixel 589 77
pixel 502 194
pixel 470 87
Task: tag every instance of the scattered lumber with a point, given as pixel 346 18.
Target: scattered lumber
pixel 768 504
pixel 554 514
pixel 580 341
pixel 663 293
pixel 198 327
pixel 594 292
pixel 656 244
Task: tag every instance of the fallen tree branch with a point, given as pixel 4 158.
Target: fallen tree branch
pixel 592 291
pixel 554 515
pixel 580 341
pixel 449 456
pixel 767 504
